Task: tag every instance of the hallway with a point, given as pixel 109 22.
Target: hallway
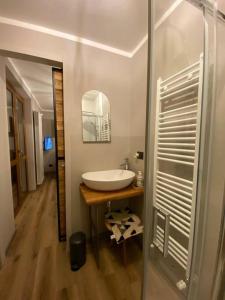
pixel 37 265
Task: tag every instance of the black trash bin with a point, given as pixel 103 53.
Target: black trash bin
pixel 77 250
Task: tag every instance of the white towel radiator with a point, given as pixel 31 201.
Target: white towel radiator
pixel 177 135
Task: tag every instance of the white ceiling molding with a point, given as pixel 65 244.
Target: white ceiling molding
pixel 168 13
pixel 87 42
pixel 12 66
pixel 157 25
pixel 64 35
pixel 139 46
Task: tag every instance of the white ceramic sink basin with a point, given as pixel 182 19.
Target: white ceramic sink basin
pixel 110 180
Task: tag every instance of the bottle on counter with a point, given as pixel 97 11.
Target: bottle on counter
pixel 140 179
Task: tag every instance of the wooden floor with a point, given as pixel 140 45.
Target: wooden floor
pixel 37 265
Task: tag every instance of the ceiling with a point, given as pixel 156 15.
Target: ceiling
pixel 39 79
pixel 120 24
pixel 117 23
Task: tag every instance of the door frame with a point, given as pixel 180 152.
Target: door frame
pixel 59 159
pixel 54 62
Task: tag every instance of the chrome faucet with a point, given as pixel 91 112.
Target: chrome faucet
pixel 125 165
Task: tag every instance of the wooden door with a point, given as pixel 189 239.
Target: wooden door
pixel 21 148
pixel 17 147
pixel 57 75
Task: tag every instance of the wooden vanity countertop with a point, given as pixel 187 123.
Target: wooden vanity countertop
pixel 92 197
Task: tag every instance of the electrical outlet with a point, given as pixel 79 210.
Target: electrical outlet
pixel 140 155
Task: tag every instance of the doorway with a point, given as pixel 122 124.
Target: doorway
pixel 36 129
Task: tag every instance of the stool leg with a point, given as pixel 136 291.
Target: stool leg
pixel 90 220
pixel 97 237
pixel 124 245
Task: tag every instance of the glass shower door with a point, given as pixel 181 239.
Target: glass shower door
pixel 179 50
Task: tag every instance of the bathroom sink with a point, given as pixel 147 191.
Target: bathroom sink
pixel 109 180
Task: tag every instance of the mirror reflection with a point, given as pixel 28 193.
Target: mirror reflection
pixel 96 117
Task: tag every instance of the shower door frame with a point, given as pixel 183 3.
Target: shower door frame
pixel 205 151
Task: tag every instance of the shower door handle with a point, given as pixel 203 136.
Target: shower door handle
pixel 166 216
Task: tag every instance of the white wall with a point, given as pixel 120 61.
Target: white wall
pixel 7 227
pixel 109 74
pixel 138 107
pixel 137 117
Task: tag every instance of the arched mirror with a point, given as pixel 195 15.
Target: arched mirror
pixel 96 117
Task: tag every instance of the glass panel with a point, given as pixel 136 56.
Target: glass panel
pixel 217 228
pixel 200 289
pixel 176 83
pixel 214 176
pixel 11 133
